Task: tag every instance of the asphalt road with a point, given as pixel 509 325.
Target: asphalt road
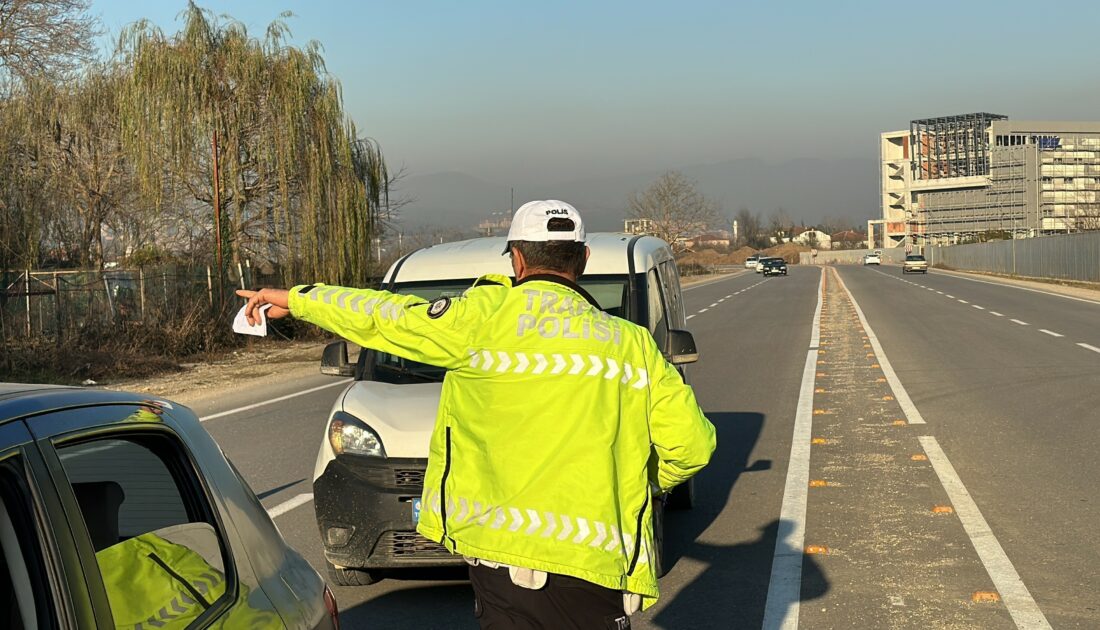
pixel 1006 392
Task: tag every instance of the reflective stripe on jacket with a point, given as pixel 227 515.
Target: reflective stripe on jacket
pixel 555 419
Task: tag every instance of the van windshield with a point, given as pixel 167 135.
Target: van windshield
pixel 609 292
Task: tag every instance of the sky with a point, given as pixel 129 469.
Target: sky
pixel 524 93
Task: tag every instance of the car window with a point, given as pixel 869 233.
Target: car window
pixel 24 587
pixel 658 322
pixel 149 523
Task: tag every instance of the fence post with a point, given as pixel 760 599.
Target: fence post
pixel 110 302
pixel 27 286
pixel 141 290
pixel 57 305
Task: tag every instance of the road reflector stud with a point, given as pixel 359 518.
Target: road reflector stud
pixel 821 412
pixel 900 423
pixel 866 345
pixel 985 597
pixel 819 390
pixel 919 457
pixel 818 483
pixel 875 365
pixel 943 509
pixel 887 397
pixel 821 362
pixel 817 550
pixel 819 440
pixel 821 374
pixel 880 380
pixel 870 355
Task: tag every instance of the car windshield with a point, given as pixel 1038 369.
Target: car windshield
pixel 609 291
pixel 917 258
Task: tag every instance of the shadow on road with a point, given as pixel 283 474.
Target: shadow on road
pixel 417 605
pixel 266 493
pixel 733 588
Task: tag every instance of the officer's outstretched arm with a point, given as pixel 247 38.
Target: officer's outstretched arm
pixel 682 436
pixel 403 325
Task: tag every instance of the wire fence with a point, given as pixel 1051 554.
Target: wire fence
pixel 37 305
pixel 1073 257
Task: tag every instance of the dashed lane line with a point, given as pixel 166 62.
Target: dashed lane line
pixel 1017 599
pixel 690 316
pixel 270 401
pixel 736 274
pixel 1012 286
pixel 980 308
pixel 785 584
pixel 714 305
pixel 1088 347
pixel 962 301
pixel 703 310
pixel 290 504
pixel 1050 332
pixel 1016 321
pixel 950 296
pixel 996 314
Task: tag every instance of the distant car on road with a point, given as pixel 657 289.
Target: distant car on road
pixel 872 259
pixel 914 263
pixel 750 262
pixel 369 476
pixel 120 511
pixel 774 267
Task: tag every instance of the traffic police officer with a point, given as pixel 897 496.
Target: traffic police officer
pixel 558 426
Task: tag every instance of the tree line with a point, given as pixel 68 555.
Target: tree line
pixel 204 146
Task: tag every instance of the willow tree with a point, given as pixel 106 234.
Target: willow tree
pixel 255 130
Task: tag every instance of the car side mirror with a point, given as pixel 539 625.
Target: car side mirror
pixel 334 360
pixel 681 347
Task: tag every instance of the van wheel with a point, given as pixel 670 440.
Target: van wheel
pixel 351 577
pixel 682 496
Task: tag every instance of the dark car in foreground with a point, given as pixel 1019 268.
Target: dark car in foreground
pixel 120 511
pixel 774 267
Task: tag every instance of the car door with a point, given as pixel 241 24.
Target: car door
pixel 40 585
pixel 152 546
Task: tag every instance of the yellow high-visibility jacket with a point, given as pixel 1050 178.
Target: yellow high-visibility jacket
pixel 555 420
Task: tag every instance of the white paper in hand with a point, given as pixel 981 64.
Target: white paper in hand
pixel 241 325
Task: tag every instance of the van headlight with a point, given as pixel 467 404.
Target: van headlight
pixel 348 434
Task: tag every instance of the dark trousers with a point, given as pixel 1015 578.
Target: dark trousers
pixel 565 603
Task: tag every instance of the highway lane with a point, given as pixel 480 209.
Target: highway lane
pixel 1014 407
pixel 748 383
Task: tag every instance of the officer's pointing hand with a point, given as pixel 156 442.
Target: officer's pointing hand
pixel 279 299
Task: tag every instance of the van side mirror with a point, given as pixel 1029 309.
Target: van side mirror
pixel 680 347
pixel 334 360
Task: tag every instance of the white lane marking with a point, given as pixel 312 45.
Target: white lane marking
pixel 1016 321
pixel 703 310
pixel 962 301
pixel 785 585
pixel 940 292
pixel 1088 347
pixel 980 308
pixel 729 296
pixel 995 313
pixel 1051 332
pixel 690 316
pixel 1012 286
pixel 714 305
pixel 736 274
pixel 950 296
pixel 290 504
pixel 222 414
pixel 900 395
pixel 1025 612
pixel 721 299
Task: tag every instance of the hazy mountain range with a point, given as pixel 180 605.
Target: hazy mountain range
pixel 807 189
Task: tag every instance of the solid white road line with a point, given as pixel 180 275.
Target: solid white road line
pixel 902 396
pixel 785 585
pixel 1025 612
pixel 1088 347
pixel 980 308
pixel 1051 332
pixel 290 504
pixel 1013 286
pixel 222 414
pixel 995 313
pixel 1016 321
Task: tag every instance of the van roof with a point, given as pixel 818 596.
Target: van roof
pixel 476 257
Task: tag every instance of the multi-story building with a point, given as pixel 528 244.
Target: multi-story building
pixel 953 178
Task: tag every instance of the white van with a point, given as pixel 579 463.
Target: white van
pixel 369 473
